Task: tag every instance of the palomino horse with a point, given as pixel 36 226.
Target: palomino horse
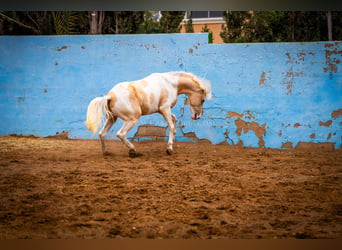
pixel 157 92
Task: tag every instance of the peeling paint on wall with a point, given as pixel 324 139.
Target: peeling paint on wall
pixel 61 48
pixel 336 113
pixel 262 78
pixel 332 50
pixel 277 95
pixel 325 124
pixel 243 126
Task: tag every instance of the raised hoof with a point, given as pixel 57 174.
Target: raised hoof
pixel 169 151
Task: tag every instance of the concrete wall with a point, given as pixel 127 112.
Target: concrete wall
pixel 277 95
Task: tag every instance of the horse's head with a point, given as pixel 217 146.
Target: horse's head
pixel 197 89
pixel 196 100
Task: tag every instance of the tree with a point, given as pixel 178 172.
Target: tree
pixel 129 22
pixel 123 22
pixel 42 23
pixel 236 26
pixel 329 23
pixel 150 23
pixel 96 19
pixel 281 26
pixel 336 21
pixel 263 26
pixel 309 26
pixel 257 26
pixel 170 21
pixel 188 25
pixel 92 22
pixel 166 22
pixel 22 23
pixel 68 22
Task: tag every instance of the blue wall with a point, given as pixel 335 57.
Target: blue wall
pixel 264 95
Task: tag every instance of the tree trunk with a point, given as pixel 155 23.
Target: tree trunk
pixel 329 22
pixel 293 16
pixel 100 21
pixel 2 27
pixel 20 23
pixel 116 14
pixel 93 22
pixel 96 19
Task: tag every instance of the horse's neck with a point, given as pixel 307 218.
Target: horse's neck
pixel 186 85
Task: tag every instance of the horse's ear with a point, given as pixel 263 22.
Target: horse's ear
pixel 186 101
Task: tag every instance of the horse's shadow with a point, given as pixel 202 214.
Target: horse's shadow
pixel 131 155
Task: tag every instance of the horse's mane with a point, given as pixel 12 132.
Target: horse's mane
pixel 205 84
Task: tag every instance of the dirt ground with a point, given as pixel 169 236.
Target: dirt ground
pixel 60 188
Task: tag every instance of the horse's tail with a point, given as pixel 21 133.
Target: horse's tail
pixel 96 108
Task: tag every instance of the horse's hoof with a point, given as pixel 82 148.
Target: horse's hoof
pixel 169 151
pixel 106 153
pixel 132 153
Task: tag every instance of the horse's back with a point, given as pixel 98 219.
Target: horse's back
pixel 144 96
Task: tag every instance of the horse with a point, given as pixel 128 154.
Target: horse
pixel 156 93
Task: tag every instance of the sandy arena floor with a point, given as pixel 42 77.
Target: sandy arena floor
pixel 60 188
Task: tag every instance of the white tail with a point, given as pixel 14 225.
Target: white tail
pixel 96 108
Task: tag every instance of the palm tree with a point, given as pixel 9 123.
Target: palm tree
pixel 67 22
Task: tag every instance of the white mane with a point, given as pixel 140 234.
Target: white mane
pixel 205 84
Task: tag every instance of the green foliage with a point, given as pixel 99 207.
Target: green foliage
pixel 188 26
pixel 67 22
pixel 308 26
pixel 168 23
pixel 265 27
pixel 42 22
pixel 149 25
pixel 279 26
pixel 237 27
pixel 205 29
pixel 25 23
pixel 337 25
pixel 170 20
pixel 129 21
pixel 241 26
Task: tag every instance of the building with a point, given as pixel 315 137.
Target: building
pixel 205 20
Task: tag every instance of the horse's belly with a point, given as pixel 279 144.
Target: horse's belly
pixel 149 109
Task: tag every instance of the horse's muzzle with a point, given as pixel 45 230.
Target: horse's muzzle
pixel 195 116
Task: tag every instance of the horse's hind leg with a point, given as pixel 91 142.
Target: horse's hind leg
pixel 128 125
pixel 102 134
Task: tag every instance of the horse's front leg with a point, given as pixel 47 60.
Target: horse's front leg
pixel 171 122
pixel 174 120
